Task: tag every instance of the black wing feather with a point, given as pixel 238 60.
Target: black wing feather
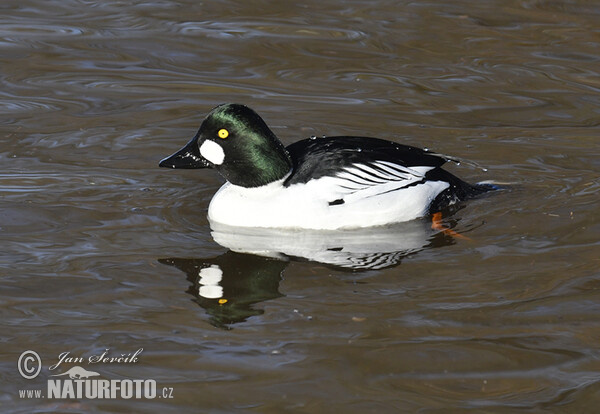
pixel 319 157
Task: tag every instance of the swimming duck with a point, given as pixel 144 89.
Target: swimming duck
pixel 316 183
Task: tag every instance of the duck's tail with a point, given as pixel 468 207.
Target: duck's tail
pixel 485 186
pixel 449 200
pixel 460 190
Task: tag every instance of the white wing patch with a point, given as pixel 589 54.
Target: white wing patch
pixel 367 180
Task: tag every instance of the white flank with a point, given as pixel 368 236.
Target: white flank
pixel 212 152
pixel 368 196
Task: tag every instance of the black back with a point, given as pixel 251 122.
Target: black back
pixel 318 157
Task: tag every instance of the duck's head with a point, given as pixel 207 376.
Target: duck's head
pixel 236 142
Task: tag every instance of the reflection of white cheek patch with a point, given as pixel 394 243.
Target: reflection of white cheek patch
pixel 212 152
pixel 209 282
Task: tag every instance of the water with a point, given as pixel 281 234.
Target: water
pixel 102 249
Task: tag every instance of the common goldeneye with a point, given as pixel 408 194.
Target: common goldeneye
pixel 316 183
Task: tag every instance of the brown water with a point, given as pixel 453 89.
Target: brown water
pixel 102 249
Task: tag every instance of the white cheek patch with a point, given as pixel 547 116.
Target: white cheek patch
pixel 212 152
pixel 209 282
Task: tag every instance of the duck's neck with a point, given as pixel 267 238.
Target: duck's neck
pixel 259 168
pixel 263 189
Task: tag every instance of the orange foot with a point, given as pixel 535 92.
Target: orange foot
pixel 436 224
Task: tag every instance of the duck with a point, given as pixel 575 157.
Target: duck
pixel 324 183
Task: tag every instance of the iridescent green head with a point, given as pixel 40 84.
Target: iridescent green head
pixel 236 142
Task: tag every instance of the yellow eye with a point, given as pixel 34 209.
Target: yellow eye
pixel 223 133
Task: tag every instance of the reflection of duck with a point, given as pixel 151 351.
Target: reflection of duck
pixel 229 285
pixel 318 183
pixel 366 248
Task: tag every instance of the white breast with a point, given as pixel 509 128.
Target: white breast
pixel 372 196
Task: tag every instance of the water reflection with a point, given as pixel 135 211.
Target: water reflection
pixel 356 249
pixel 228 286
